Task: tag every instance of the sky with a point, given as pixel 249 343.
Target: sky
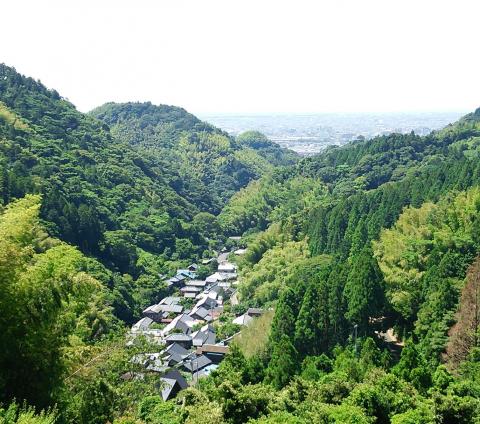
pixel 245 56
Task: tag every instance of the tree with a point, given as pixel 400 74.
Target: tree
pixel 283 363
pixel 206 224
pixel 312 326
pixel 464 334
pixel 363 291
pixel 97 403
pixel 45 299
pixel 283 323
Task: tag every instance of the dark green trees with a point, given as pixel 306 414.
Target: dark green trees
pixel 363 292
pixel 283 363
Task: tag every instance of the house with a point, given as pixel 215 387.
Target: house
pixel 240 252
pixel 154 312
pixel 207 302
pixel 193 267
pixel 182 323
pixel 214 352
pixel 171 383
pixel 175 353
pixel 181 339
pixel 197 283
pixel 254 312
pixel 195 363
pixel 242 320
pixel 142 324
pixel 161 311
pixel 226 267
pixel 200 313
pixel 206 334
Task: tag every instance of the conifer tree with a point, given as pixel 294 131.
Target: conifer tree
pixel 363 291
pixel 283 364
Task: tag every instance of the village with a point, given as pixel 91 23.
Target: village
pixel 188 346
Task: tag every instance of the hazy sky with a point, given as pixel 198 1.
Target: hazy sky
pixel 251 56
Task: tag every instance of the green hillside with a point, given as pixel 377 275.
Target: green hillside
pixel 138 196
pixel 361 265
pixel 204 164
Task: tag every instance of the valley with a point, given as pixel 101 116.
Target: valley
pixel 156 269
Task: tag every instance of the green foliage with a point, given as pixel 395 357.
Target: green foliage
pixel 155 410
pixel 257 141
pixel 363 290
pixel 46 297
pixel 14 414
pixel 282 366
pixel 264 281
pixel 123 182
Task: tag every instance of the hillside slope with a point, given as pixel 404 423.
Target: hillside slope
pixel 136 196
pixel 206 165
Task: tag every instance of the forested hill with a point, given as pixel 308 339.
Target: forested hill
pixel 369 255
pixel 139 196
pixel 358 292
pixel 207 166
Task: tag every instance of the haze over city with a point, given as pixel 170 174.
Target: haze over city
pixel 257 57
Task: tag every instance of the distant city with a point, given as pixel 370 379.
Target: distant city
pixel 309 134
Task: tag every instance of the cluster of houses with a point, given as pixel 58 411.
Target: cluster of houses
pixel 186 335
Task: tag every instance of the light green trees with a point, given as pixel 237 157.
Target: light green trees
pixel 45 297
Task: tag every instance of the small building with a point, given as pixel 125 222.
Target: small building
pixel 195 363
pixel 206 335
pixel 174 354
pixel 240 252
pixel 214 352
pixel 171 383
pixel 254 312
pixel 142 324
pixel 181 339
pixel 242 320
pixel 226 267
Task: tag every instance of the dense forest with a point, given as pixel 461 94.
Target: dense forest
pixel 137 189
pixel 365 259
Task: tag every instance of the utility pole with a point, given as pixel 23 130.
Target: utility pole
pixel 355 334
